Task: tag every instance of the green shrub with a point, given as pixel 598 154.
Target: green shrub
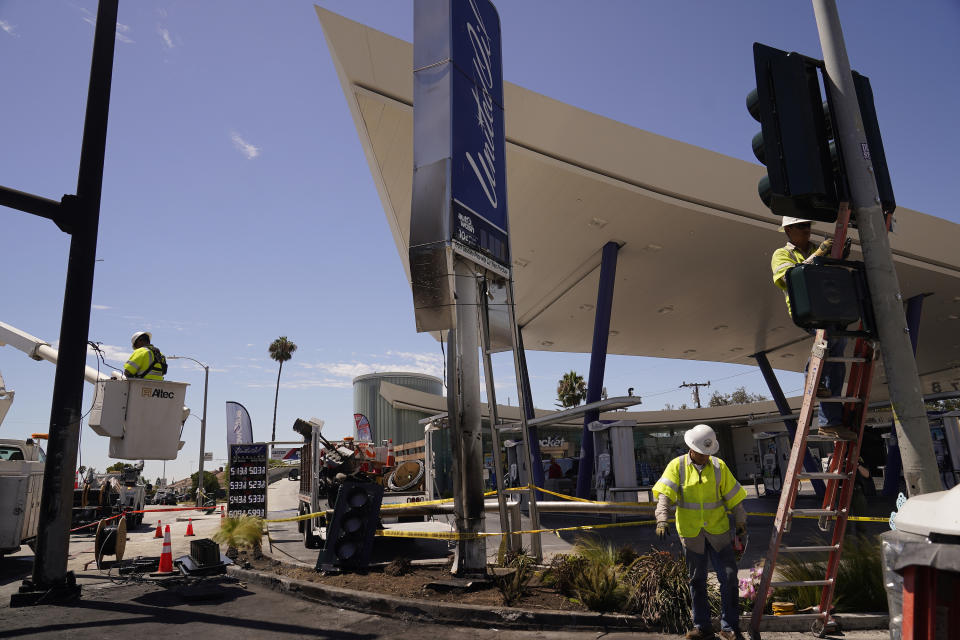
pixel 562 571
pixel 245 532
pixel 661 592
pixel 513 584
pixel 601 584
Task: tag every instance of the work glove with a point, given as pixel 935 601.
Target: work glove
pixel 742 529
pixel 662 530
pixel 824 249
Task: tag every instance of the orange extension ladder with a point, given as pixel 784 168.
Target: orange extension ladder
pixel 839 478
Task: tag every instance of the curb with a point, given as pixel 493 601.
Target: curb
pixel 440 612
pixel 466 615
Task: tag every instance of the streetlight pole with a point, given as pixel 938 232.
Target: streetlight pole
pixel 906 398
pixel 203 422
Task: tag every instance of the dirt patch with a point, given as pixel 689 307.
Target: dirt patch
pixel 414 584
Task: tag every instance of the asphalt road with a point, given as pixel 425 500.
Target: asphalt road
pixel 225 608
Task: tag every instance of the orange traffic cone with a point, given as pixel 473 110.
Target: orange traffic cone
pixel 159 533
pixel 189 527
pixel 223 514
pixel 166 556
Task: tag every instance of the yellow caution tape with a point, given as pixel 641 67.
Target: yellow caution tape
pixel 854 518
pixel 574 498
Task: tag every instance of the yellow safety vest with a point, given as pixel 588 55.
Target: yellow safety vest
pixel 143 364
pixel 702 502
pixel 783 259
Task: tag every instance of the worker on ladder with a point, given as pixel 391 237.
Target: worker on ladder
pixel 146 361
pixel 799 250
pixel 705 492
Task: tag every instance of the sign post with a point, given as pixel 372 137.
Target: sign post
pixel 458 222
pixel 247 489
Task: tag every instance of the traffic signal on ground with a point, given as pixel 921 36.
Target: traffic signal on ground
pixel 350 533
pixel 793 142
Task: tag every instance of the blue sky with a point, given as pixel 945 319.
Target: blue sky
pixel 238 206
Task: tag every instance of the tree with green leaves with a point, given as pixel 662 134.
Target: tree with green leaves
pixel 210 483
pixel 739 395
pixel 281 350
pixel 571 390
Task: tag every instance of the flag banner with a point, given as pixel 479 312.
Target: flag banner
pixel 364 431
pixel 239 428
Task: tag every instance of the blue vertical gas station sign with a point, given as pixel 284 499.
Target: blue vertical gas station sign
pixel 460 186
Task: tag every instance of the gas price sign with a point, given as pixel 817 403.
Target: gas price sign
pixel 247 490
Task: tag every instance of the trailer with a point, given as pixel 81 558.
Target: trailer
pixel 318 483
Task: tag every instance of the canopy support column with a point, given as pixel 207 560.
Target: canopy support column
pixel 598 362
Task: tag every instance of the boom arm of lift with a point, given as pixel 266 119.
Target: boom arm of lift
pixel 38 349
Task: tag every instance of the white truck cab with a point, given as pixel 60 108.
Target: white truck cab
pixel 21 484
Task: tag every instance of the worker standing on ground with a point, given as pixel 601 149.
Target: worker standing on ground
pixel 799 250
pixel 704 492
pixel 146 361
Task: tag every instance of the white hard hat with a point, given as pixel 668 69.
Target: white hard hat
pixel 702 439
pixel 136 336
pixel 788 220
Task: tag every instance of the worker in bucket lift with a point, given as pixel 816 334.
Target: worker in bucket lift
pixel 705 492
pixel 146 361
pixel 800 250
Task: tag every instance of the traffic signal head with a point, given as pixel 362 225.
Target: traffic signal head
pixel 793 142
pixel 356 516
pixel 868 115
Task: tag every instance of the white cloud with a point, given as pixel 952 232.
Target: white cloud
pixel 309 383
pixel 165 36
pixel 122 29
pixel 8 28
pixel 429 363
pixel 244 147
pixel 111 353
pixel 100 307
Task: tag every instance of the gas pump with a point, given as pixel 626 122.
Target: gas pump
pixel 615 463
pixel 773 448
pixel 518 469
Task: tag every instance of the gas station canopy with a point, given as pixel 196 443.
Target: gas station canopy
pixel 693 277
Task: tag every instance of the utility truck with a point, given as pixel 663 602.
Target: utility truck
pixel 21 483
pixel 141 418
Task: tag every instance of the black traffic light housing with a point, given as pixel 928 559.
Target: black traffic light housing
pixel 793 142
pixel 798 142
pixel 868 114
pixel 350 533
pixel 831 294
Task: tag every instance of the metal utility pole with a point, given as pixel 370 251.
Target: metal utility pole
pixel 696 390
pixel 80 216
pixel 913 430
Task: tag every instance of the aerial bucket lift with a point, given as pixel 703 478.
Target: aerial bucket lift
pixel 142 418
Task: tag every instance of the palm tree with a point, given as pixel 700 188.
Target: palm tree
pixel 281 350
pixel 571 390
